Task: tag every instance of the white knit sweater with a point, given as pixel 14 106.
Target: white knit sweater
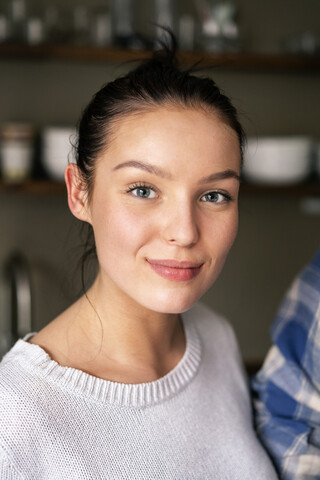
pixel 194 423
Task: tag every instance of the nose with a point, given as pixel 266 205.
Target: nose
pixel 181 226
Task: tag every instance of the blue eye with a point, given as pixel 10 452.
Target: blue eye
pixel 143 192
pixel 216 197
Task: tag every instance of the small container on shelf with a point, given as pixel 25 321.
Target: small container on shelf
pixel 164 13
pixel 35 30
pixel 101 29
pixel 218 30
pixel 186 32
pixel 4 28
pixel 80 25
pixel 17 18
pixel 123 17
pixel 16 151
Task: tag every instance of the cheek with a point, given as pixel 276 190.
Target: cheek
pixel 222 235
pixel 118 231
pixel 229 231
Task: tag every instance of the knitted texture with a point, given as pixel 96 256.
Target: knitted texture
pixel 194 423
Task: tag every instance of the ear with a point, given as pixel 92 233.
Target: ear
pixel 77 194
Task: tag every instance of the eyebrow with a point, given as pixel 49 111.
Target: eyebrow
pixel 147 167
pixel 220 176
pixel 144 166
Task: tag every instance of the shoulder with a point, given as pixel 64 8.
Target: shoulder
pixel 219 343
pixel 212 326
pixel 28 404
pixel 29 411
pixel 222 366
pixel 21 389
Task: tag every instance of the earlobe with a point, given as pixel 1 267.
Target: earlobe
pixel 77 194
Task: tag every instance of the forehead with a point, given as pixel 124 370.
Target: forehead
pixel 176 118
pixel 173 136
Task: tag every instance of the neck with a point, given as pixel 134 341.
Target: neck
pixel 125 341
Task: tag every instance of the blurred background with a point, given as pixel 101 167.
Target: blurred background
pixel 54 55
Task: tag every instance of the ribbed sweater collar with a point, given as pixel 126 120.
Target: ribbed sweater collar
pixel 34 359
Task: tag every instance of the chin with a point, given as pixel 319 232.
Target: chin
pixel 173 303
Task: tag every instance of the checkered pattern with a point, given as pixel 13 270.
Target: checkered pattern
pixel 287 389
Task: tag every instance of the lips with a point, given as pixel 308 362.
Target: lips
pixel 178 271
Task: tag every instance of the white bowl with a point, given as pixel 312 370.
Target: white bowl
pixel 57 150
pixel 278 160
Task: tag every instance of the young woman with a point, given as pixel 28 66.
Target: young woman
pixel 136 380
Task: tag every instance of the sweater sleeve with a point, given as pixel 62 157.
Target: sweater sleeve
pixel 7 470
pixel 287 389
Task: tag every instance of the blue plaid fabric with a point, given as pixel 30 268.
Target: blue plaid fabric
pixel 287 389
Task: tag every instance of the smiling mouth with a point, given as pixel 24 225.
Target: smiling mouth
pixel 174 270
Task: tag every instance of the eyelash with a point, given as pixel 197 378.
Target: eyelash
pixel 227 198
pixel 136 186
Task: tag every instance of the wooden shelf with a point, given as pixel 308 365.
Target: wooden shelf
pixel 40 187
pixel 227 61
pixel 311 189
pixel 37 187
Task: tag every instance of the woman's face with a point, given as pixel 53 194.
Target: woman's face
pixel 164 207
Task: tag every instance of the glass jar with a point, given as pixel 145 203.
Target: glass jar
pixel 122 12
pixel 164 16
pixel 16 151
pixel 17 17
pixel 123 25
